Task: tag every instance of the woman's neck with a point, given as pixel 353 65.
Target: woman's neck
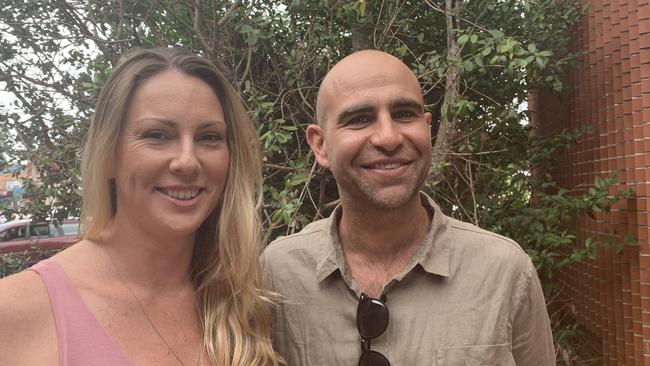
pixel 148 260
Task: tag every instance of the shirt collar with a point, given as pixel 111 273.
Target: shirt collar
pixel 331 255
pixel 433 256
pixel 435 253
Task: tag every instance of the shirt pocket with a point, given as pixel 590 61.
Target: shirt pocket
pixel 492 355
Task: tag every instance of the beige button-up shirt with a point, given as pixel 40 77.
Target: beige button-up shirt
pixel 468 297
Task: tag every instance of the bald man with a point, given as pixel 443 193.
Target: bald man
pixel 388 279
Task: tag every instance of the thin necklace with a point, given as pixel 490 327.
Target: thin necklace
pixel 146 316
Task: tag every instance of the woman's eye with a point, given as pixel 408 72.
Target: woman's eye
pixel 211 137
pixel 155 135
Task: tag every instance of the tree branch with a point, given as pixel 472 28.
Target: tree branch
pixel 228 12
pixel 447 128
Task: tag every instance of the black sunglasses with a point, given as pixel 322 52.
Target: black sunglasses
pixel 372 321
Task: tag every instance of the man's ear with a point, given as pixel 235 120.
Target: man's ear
pixel 427 118
pixel 316 139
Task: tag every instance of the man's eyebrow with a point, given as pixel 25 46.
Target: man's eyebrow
pixel 352 110
pixel 406 103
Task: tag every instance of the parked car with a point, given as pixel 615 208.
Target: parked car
pixel 23 235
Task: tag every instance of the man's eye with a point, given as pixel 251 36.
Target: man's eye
pixel 363 119
pixel 403 115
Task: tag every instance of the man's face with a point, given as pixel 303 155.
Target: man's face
pixel 375 138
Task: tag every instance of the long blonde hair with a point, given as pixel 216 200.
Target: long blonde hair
pixel 225 264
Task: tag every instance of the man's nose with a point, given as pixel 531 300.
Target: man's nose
pixel 184 161
pixel 387 134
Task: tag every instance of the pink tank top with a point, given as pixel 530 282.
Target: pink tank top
pixel 82 340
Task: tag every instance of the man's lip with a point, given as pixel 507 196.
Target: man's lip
pixel 385 163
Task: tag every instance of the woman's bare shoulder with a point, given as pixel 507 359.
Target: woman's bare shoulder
pixel 26 319
pixel 22 297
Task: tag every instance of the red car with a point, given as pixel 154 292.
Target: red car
pixel 19 236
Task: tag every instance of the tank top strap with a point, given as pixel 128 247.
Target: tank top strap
pixel 81 338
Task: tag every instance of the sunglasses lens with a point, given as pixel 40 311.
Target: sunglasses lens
pixel 372 319
pixel 372 358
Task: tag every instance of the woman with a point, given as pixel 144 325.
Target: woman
pixel 167 270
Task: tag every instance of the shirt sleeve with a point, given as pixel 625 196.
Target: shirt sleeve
pixel 532 339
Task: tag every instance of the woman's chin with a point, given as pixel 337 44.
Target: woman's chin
pixel 179 231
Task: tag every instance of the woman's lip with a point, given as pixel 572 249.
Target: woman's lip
pixel 180 202
pixel 180 188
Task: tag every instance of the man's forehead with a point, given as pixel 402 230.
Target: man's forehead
pixel 362 75
pixel 385 89
pixel 360 80
pixel 369 69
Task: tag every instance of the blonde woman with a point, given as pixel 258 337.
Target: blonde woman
pixel 167 270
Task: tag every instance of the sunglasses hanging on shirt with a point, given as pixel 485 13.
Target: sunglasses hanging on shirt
pixel 372 321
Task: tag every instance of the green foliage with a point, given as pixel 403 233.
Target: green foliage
pixel 568 340
pixel 548 228
pixel 11 263
pixel 528 206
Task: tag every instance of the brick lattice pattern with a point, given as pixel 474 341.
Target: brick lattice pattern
pixel 609 91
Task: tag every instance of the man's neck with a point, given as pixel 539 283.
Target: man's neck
pixel 380 232
pixel 379 243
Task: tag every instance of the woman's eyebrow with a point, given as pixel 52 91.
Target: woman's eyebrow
pixel 174 124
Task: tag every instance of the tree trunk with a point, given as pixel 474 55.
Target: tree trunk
pixel 447 129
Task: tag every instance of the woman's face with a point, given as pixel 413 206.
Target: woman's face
pixel 172 156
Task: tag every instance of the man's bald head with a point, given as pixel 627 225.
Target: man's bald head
pixel 371 62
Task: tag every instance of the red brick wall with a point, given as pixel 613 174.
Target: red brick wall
pixel 609 91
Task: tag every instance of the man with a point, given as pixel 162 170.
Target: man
pixel 388 279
